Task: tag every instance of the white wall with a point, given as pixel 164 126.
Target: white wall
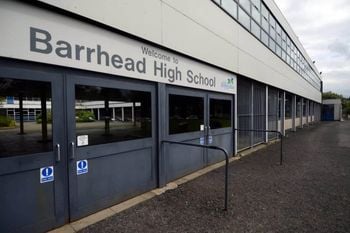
pixel 199 29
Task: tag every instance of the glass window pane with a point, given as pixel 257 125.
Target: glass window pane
pixel 272 33
pixel 257 3
pixel 272 45
pixel 288 106
pixel 220 113
pixel 264 38
pixel 185 117
pixel 272 21
pixel 255 29
pixel 243 18
pixel 109 115
pixel 264 11
pixel 265 24
pixel 284 45
pixel 284 55
pixel 278 51
pixel 245 4
pixel 230 6
pixel 279 40
pixel 256 14
pixel 284 36
pixel 27 127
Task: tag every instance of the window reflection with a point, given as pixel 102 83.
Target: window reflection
pixel 105 115
pixel 25 117
pixel 220 113
pixel 186 113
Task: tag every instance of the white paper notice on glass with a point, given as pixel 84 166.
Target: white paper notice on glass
pixel 82 140
pixel 202 128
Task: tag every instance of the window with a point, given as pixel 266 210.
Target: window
pixel 284 56
pixel 255 29
pixel 186 114
pixel 264 38
pixel 243 18
pixel 288 106
pixel 256 11
pixel 22 133
pixel 107 115
pixel 272 45
pixel 265 18
pixel 278 51
pixel 245 5
pixel 220 113
pixel 230 7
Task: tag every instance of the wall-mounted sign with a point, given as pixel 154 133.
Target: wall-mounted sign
pixel 46 174
pixel 82 167
pixel 82 140
pixel 63 41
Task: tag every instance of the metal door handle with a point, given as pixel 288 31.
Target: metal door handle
pixel 72 144
pixel 58 153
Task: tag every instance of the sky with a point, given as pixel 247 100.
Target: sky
pixel 323 27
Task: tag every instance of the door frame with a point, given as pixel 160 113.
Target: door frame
pixel 101 150
pixel 13 69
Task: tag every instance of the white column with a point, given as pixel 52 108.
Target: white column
pixel 122 113
pixel 98 114
pixel 133 112
pixel 113 112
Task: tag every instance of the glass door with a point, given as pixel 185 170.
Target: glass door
pixel 32 161
pixel 111 138
pixel 219 126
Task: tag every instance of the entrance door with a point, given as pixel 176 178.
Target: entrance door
pixel 111 138
pixel 32 165
pixel 197 117
pixel 219 125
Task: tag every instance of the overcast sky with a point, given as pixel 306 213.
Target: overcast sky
pixel 323 27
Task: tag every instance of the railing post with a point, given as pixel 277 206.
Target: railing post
pixel 281 156
pixel 214 148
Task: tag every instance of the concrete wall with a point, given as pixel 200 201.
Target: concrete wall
pixel 201 30
pixel 288 124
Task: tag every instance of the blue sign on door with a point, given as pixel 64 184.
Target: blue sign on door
pixel 46 174
pixel 82 167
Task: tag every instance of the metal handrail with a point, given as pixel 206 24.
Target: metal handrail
pixel 267 131
pixel 213 148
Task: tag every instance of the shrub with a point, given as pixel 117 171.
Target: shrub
pixel 49 118
pixel 84 116
pixel 7 122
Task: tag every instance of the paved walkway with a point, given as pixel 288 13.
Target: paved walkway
pixel 309 193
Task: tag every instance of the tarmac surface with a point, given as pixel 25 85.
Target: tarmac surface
pixel 310 192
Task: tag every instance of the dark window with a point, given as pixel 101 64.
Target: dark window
pixel 288 106
pixel 106 115
pixel 220 113
pixel 22 133
pixel 186 113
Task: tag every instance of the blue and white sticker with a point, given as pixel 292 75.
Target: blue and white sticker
pixel 210 139
pixel 202 141
pixel 82 167
pixel 46 174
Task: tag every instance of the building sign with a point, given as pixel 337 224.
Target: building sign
pixel 38 35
